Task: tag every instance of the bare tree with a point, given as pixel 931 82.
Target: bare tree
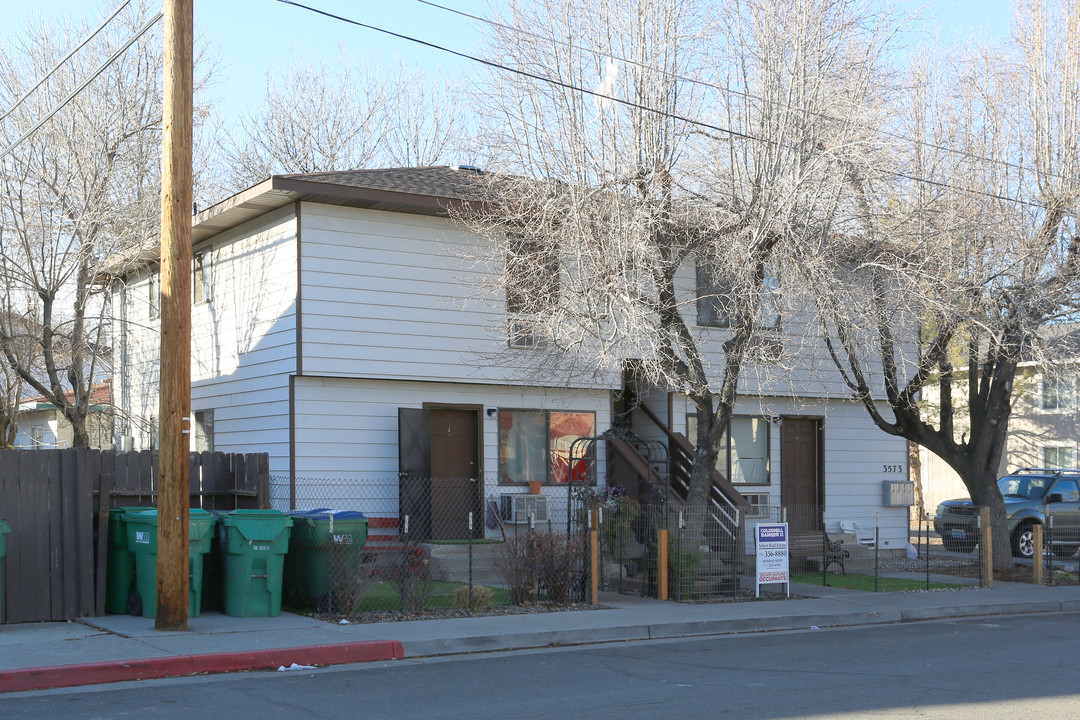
pixel 344 115
pixel 675 193
pixel 428 122
pixel 80 189
pixel 973 262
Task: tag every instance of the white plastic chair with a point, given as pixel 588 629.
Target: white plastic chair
pixel 863 537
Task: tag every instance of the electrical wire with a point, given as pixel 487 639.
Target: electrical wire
pixel 82 86
pixel 67 57
pixel 722 88
pixel 628 103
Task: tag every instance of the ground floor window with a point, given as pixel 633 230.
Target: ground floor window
pixel 744 449
pixel 204 431
pixel 535 445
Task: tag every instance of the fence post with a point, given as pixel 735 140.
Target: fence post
pixel 986 554
pixel 1037 564
pixel 1049 560
pixel 877 544
pixel 661 564
pixel 470 557
pixel 594 556
pixel 824 552
pixel 926 559
pixel 404 561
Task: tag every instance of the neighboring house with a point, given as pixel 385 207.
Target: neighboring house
pixel 337 326
pixel 1043 427
pixel 42 424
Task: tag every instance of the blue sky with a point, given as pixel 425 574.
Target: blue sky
pixel 251 36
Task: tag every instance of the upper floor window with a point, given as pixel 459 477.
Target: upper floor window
pixel 1058 393
pixel 716 299
pixel 201 278
pixel 532 276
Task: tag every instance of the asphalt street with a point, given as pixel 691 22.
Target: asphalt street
pixel 985 667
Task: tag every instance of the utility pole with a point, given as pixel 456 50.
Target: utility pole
pixel 171 611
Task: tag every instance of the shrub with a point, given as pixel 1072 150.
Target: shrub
pixel 414 575
pixel 482 597
pixel 516 563
pixel 350 580
pixel 557 557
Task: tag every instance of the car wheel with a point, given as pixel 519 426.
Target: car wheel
pixel 963 546
pixel 1023 541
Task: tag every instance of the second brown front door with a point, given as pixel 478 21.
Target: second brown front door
pixel 455 490
pixel 800 482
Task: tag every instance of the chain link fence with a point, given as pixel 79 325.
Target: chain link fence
pixel 453 550
pixel 458 549
pixel 951 541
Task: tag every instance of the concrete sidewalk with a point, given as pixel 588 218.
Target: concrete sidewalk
pixel 122 647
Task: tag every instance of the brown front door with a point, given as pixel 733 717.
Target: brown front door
pixel 454 472
pixel 800 482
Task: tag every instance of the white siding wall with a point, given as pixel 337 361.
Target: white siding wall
pixel 389 295
pixel 856 456
pixel 243 340
pixel 347 433
pixel 136 355
pixel 805 370
pixel 347 428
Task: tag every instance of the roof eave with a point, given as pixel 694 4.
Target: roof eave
pixel 281 190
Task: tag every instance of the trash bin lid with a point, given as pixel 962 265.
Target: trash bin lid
pixel 326 513
pixel 150 515
pixel 237 517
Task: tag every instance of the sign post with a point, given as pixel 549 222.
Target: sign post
pixel 771 543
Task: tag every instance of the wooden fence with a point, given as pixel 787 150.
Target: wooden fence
pixel 55 562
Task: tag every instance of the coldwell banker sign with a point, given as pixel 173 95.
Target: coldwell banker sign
pixel 772 555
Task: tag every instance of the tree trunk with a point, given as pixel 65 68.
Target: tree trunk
pixel 984 492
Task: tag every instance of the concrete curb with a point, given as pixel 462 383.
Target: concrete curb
pixel 704 628
pixel 42 678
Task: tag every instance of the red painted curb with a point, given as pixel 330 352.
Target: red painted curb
pixel 41 678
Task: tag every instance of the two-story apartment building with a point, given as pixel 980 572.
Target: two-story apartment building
pixel 340 324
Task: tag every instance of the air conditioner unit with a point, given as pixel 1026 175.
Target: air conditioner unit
pixel 517 509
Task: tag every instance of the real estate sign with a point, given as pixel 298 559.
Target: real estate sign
pixel 772 556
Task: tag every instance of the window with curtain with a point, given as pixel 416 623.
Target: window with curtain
pixel 744 449
pixel 535 445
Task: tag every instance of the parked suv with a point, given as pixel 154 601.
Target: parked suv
pixel 1032 496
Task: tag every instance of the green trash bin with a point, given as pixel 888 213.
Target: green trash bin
pixel 142 541
pixel 4 530
pixel 120 566
pixel 254 544
pixel 326 547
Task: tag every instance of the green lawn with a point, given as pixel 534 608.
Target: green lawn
pixel 855 581
pixel 384 596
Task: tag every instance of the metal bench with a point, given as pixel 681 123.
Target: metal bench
pixel 813 546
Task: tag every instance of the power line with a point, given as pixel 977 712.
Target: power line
pixel 627 103
pixel 83 84
pixel 66 58
pixel 721 88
